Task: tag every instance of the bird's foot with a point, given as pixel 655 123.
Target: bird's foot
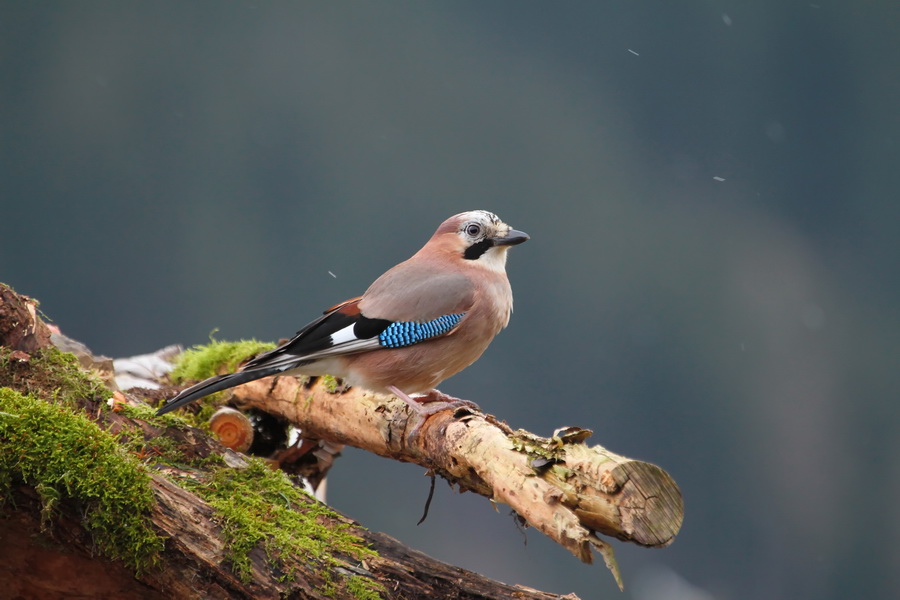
pixel 437 396
pixel 431 403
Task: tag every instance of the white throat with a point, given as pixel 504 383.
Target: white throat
pixel 494 259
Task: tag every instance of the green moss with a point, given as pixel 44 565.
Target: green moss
pixel 200 362
pixel 63 454
pixel 178 419
pixel 157 449
pixel 364 588
pixel 139 411
pixel 257 506
pixel 329 588
pixel 331 384
pixel 53 374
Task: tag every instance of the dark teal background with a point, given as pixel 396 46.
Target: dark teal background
pixel 712 282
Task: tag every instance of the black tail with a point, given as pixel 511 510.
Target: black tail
pixel 216 384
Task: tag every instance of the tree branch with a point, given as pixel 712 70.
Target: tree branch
pixel 560 486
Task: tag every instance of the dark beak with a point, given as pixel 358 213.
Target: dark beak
pixel 513 237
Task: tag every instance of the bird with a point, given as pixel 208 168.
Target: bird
pixel 419 323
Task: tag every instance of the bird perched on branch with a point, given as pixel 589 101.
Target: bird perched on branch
pixel 424 320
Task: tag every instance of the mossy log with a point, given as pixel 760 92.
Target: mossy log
pixel 60 561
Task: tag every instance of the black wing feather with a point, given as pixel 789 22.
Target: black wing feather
pixel 313 338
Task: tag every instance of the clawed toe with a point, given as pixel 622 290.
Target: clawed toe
pixel 425 411
pixel 436 396
pixel 431 403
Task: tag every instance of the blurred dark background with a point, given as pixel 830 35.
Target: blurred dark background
pixel 712 283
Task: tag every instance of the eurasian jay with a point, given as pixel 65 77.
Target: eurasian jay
pixel 424 320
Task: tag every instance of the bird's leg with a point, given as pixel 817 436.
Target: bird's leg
pixel 429 404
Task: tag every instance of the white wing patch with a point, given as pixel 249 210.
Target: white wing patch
pixel 342 336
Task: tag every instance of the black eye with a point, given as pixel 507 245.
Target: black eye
pixel 473 230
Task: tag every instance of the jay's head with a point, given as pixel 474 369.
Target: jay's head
pixel 478 237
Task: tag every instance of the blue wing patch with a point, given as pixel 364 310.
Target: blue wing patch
pixel 407 333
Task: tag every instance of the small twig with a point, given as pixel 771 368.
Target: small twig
pixel 430 496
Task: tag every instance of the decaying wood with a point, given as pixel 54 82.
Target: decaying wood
pixel 61 563
pixel 20 327
pixel 560 486
pixel 41 563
